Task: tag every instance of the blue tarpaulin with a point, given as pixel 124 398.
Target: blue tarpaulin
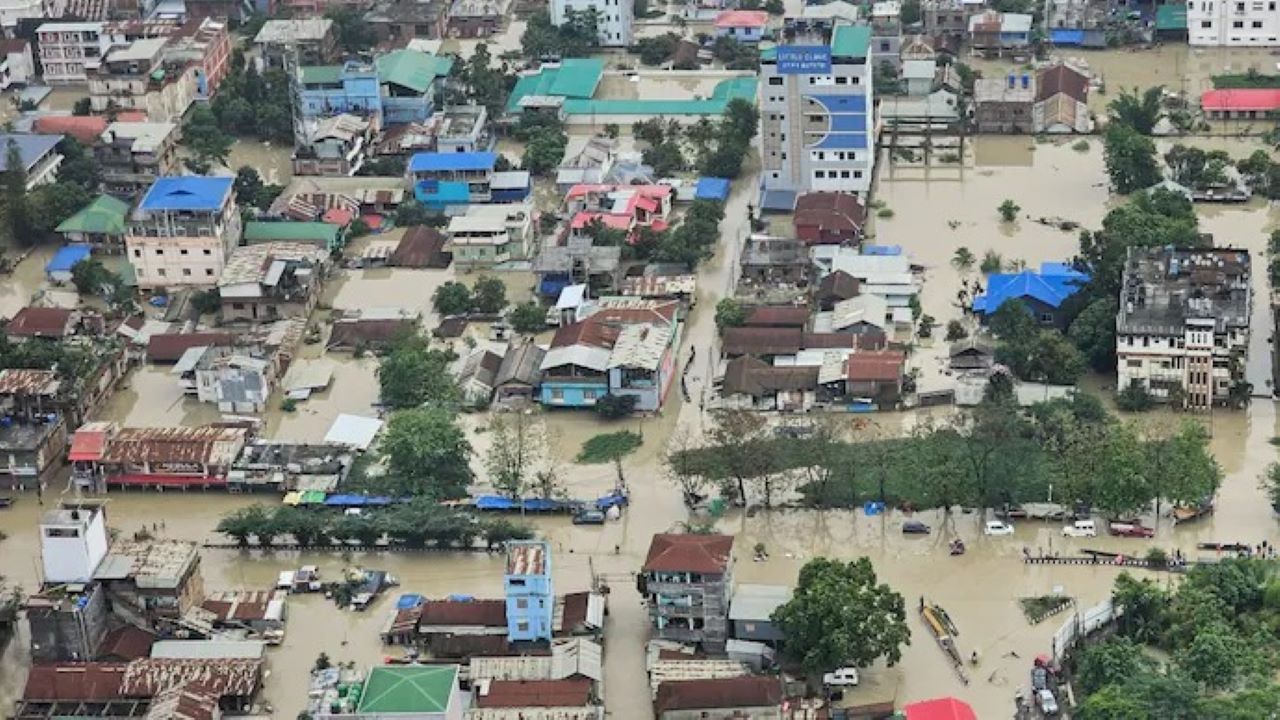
pixel 712 188
pixel 1066 36
pixel 499 503
pixel 614 499
pixel 355 501
pixel 881 249
pixel 66 258
pixel 872 507
pixel 409 600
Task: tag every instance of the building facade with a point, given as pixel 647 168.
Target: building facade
pixel 613 18
pixel 491 234
pixel 816 101
pixel 531 600
pixel 70 51
pixel 1183 326
pixel 73 540
pixel 687 581
pixel 133 154
pixel 182 232
pixel 1233 23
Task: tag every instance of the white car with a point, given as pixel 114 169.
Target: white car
pixel 842 677
pixel 1048 703
pixel 997 527
pixel 1081 528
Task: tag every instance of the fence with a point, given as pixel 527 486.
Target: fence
pixel 1080 624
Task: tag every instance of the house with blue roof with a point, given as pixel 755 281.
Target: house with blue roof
pixel 1043 293
pixel 39 153
pixel 442 180
pixel 181 232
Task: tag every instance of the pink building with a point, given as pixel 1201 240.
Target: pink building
pixel 619 207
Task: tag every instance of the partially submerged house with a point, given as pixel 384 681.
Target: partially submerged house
pixel 488 235
pixel 687 582
pixel 104 454
pixel 34 432
pixel 272 281
pixel 829 218
pixel 517 377
pixel 1042 292
pixel 1062 101
pixel 336 145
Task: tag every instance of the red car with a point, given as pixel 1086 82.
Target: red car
pixel 1126 529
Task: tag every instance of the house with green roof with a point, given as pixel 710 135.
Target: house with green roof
pixel 397 87
pixel 100 224
pixel 410 692
pixel 570 88
pixel 321 234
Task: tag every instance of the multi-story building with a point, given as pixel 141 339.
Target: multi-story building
pixel 34 433
pixel 1183 326
pixel 12 11
pixel 687 581
pixel 336 146
pixel 531 600
pixel 272 281
pixel 1235 23
pixel 398 87
pixel 311 41
pixel 487 235
pixel 816 103
pixel 39 153
pixel 886 34
pixel 613 18
pixel 69 51
pixel 182 231
pixel 133 154
pixel 949 18
pixel 73 540
pixel 152 580
pixel 17 67
pixel 205 44
pixel 162 73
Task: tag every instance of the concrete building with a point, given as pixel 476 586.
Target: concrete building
pixel 398 87
pixel 461 128
pixel 17 66
pixel 311 40
pixel 152 581
pixel 69 51
pixel 487 235
pixel 35 432
pixel 886 34
pixel 1004 105
pixel 1062 101
pixel 752 608
pixel 68 625
pixel 13 11
pixel 272 281
pixel 104 454
pixel 231 378
pixel 745 26
pixel 39 155
pixel 133 154
pixel 1183 326
pixel 687 581
pixel 73 540
pixel 476 18
pixel 182 231
pixel 136 77
pixel 1233 23
pixel 613 18
pixel 949 18
pixel 998 34
pixel 336 146
pixel 816 101
pixel 530 598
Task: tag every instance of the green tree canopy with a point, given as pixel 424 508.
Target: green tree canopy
pixel 1131 159
pixel 426 448
pixel 413 373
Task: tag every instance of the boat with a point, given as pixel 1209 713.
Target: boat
pixel 1187 513
pixel 944 630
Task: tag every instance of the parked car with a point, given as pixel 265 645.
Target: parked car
pixel 589 517
pixel 1047 702
pixel 842 677
pixel 1130 529
pixel 997 527
pixel 914 527
pixel 1081 528
pixel 1039 678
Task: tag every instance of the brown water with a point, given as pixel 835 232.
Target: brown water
pixel 18 287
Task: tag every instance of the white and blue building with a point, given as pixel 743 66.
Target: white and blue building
pixel 816 113
pixel 531 600
pixel 398 87
pixel 441 180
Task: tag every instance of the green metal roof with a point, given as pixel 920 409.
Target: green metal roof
pixel 104 216
pixel 576 78
pixel 851 41
pixel 408 689
pixel 315 74
pixel 1171 17
pixel 726 90
pixel 319 233
pixel 413 69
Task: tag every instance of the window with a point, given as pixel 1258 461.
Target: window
pixel 1238 24
pixel 522 626
pixel 884 46
pixel 137 253
pixel 1206 24
pixel 208 272
pixel 557 394
pixel 183 251
pixel 819 173
pixel 1257 24
pixel 844 174
pixel 159 251
pixel 160 272
pixel 1046 317
pixel 842 80
pixel 237 306
pixel 186 272
pixel 855 79
pixel 207 251
pixel 784 156
pixel 857 174
pixel 589 395
pixel 775 81
pixel 522 603
pixel 815 118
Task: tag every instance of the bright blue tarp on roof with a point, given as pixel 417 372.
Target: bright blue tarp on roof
pixel 882 250
pixel 67 257
pixel 409 600
pixel 613 499
pixel 1066 36
pixel 711 188
pixel 439 162
pixel 1052 285
pixel 356 501
pixel 189 192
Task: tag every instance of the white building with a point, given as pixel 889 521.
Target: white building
pixel 70 51
pixel 73 540
pixel 11 11
pixel 182 231
pixel 491 234
pixel 1237 23
pixel 17 66
pixel 887 276
pixel 1183 326
pixel 613 18
pixel 816 116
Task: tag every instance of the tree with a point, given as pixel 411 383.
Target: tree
pixel 1217 657
pixel 412 212
pixel 839 615
pixel 544 151
pixel 1181 467
pixel 489 295
pixel 730 313
pixel 1120 486
pixel 657 50
pixel 306 525
pixel 426 448
pixel 738 445
pixel 910 12
pixel 616 407
pixel 925 329
pixel 666 158
pixel 956 331
pixel 354 35
pixel 91 277
pixel 82 107
pixel 247 522
pixel 78 166
pixel 14 200
pixel 1130 158
pixel 1137 112
pixel 1009 210
pixel 962 259
pixel 992 262
pixel 1094 333
pixel 528 318
pixel 412 373
pixel 47 206
pixel 611 448
pixel 1135 398
pixel 251 191
pixel 1113 702
pixel 517 448
pixel 452 298
pixel 1270 483
pixel 1110 661
pixel 203 136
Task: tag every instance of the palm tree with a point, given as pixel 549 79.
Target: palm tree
pixel 991 262
pixel 963 259
pixel 1138 112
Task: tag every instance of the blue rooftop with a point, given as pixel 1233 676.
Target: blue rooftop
pixel 1054 283
pixel 711 188
pixel 187 192
pixel 67 257
pixel 30 147
pixel 438 162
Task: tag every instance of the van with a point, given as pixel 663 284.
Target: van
pixel 1081 528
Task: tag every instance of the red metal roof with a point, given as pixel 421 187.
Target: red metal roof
pixel 41 322
pixel 536 693
pixel 940 709
pixel 738 692
pixel 75 681
pixel 85 128
pixel 689 553
pixel 127 643
pixel 89 442
pixel 875 366
pixel 742 19
pixel 778 316
pixel 486 613
pixel 1240 99
pixel 168 347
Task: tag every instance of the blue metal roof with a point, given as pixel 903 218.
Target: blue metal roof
pixel 711 188
pixel 30 147
pixel 843 141
pixel 1066 36
pixel 188 192
pixel 842 103
pixel 67 257
pixel 1052 285
pixel 429 162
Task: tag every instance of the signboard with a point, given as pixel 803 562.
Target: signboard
pixel 804 60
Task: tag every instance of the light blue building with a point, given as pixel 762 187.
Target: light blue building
pixel 328 90
pixel 399 87
pixel 443 179
pixel 531 601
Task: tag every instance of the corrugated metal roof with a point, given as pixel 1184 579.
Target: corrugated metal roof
pixel 460 161
pixel 189 192
pixel 757 602
pixel 353 430
pixel 208 649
